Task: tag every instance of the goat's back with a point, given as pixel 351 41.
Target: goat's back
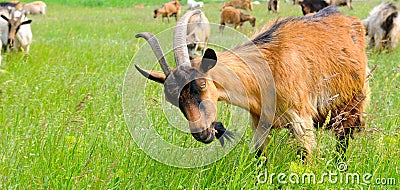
pixel 230 15
pixel 324 58
pixel 173 6
pixel 242 4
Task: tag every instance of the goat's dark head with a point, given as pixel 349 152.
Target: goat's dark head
pixel 305 8
pixel 188 86
pixel 14 24
pixel 312 6
pixel 247 17
pixel 253 21
pixel 155 13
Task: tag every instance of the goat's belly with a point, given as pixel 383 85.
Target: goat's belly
pixel 339 114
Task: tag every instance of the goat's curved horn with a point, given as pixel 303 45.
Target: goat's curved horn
pixel 155 45
pixel 180 47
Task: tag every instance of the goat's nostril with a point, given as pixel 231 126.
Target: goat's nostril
pixel 205 136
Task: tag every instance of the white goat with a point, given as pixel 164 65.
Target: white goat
pixel 36 7
pixel 15 32
pixel 198 34
pixel 23 38
pixel 193 4
pixel 383 27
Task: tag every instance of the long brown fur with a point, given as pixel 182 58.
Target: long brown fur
pixel 317 69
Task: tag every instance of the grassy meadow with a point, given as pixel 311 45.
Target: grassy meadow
pixel 63 126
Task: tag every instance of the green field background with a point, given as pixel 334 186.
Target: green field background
pixel 62 124
pixel 114 3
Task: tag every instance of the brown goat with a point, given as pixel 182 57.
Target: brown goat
pixel 240 4
pixel 139 6
pixel 273 5
pixel 289 79
pixel 340 3
pixel 169 9
pixel 231 15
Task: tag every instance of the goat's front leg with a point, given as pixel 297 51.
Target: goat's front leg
pixel 303 130
pixel 260 135
pixel 221 27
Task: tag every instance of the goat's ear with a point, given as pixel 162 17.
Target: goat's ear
pixel 4 17
pixel 156 76
pixel 26 22
pixel 209 60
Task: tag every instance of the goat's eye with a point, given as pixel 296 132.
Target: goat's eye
pixel 203 85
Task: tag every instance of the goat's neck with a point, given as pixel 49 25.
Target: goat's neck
pixel 236 82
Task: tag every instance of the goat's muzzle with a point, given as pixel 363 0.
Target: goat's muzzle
pixel 215 130
pixel 206 136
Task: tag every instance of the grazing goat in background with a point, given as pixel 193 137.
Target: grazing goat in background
pixel 289 79
pixel 198 33
pixel 231 15
pixel 340 3
pixel 273 5
pixel 23 38
pixel 193 4
pixel 240 4
pixel 36 7
pixel 15 32
pixel 169 9
pixel 247 17
pixel 383 27
pixel 139 6
pixel 312 6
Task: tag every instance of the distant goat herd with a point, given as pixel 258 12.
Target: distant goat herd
pixel 316 76
pixel 382 26
pixel 15 29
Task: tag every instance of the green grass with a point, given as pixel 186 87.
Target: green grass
pixel 62 124
pixel 115 3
